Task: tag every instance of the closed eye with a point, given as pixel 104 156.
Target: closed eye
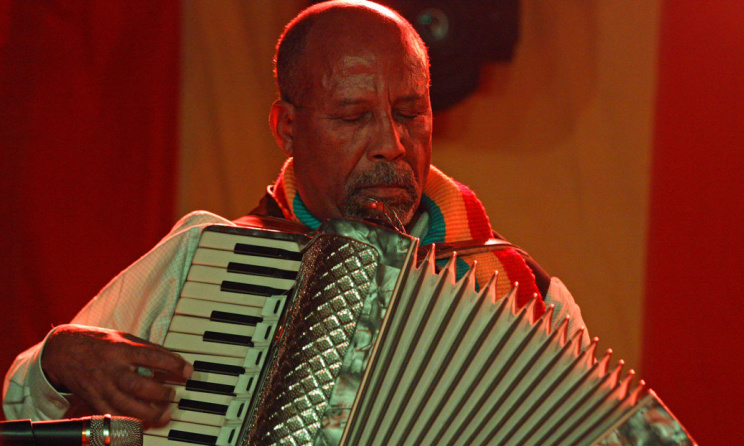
pixel 407 115
pixel 355 118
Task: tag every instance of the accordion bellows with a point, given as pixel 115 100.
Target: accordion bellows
pixel 380 348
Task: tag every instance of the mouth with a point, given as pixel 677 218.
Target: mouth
pixel 384 191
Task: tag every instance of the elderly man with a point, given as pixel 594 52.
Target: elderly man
pixel 355 120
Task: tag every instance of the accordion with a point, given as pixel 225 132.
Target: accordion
pixel 353 336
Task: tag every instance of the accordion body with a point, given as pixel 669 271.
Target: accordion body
pixel 352 336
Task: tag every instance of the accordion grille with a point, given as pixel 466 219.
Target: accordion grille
pixel 299 389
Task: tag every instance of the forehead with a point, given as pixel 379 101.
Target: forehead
pixel 364 55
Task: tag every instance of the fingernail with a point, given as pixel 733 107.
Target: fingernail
pixel 188 369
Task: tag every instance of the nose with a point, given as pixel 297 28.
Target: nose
pixel 387 144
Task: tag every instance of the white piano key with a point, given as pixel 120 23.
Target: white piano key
pixel 181 392
pixel 271 306
pixel 247 264
pixel 202 308
pixel 240 385
pixel 198 325
pixel 264 333
pixel 215 378
pixel 182 342
pixel 219 258
pixel 196 417
pixel 246 384
pixel 235 406
pixel 235 414
pixel 226 365
pixel 223 436
pixel 211 274
pixel 220 240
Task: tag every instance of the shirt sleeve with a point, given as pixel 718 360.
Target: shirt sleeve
pixel 140 300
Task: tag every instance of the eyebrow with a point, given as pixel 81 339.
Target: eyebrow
pixel 410 98
pixel 349 102
pixel 414 97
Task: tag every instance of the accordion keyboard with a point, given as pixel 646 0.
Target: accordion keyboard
pixel 223 324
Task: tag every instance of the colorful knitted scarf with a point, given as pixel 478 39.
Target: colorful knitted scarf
pixel 455 215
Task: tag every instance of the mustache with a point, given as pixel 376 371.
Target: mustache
pixel 384 173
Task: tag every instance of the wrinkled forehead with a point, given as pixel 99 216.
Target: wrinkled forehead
pixel 357 52
pixel 392 63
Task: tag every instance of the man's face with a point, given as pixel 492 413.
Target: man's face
pixel 363 135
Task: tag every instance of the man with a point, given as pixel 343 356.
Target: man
pixel 355 120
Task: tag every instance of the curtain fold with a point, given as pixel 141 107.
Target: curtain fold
pixel 88 129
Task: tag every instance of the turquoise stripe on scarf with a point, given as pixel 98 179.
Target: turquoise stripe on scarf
pixel 302 214
pixel 437 230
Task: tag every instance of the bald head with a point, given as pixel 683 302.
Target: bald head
pixel 339 25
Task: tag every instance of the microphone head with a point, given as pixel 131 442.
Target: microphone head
pixel 119 431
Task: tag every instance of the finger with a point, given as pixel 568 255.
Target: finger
pixel 101 401
pixel 144 388
pixel 151 413
pixel 159 358
pixel 107 397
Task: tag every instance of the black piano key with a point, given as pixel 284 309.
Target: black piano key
pixel 204 386
pixel 242 319
pixel 265 271
pixel 247 288
pixel 201 406
pixel 227 338
pixel 215 367
pixel 192 437
pixel 265 251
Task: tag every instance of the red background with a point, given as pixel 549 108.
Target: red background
pixel 693 355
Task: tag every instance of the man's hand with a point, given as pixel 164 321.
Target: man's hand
pixel 100 367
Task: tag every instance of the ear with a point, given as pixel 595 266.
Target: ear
pixel 281 121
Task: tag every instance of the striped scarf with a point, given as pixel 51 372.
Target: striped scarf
pixel 455 215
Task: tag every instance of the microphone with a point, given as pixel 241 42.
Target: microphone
pixel 98 430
